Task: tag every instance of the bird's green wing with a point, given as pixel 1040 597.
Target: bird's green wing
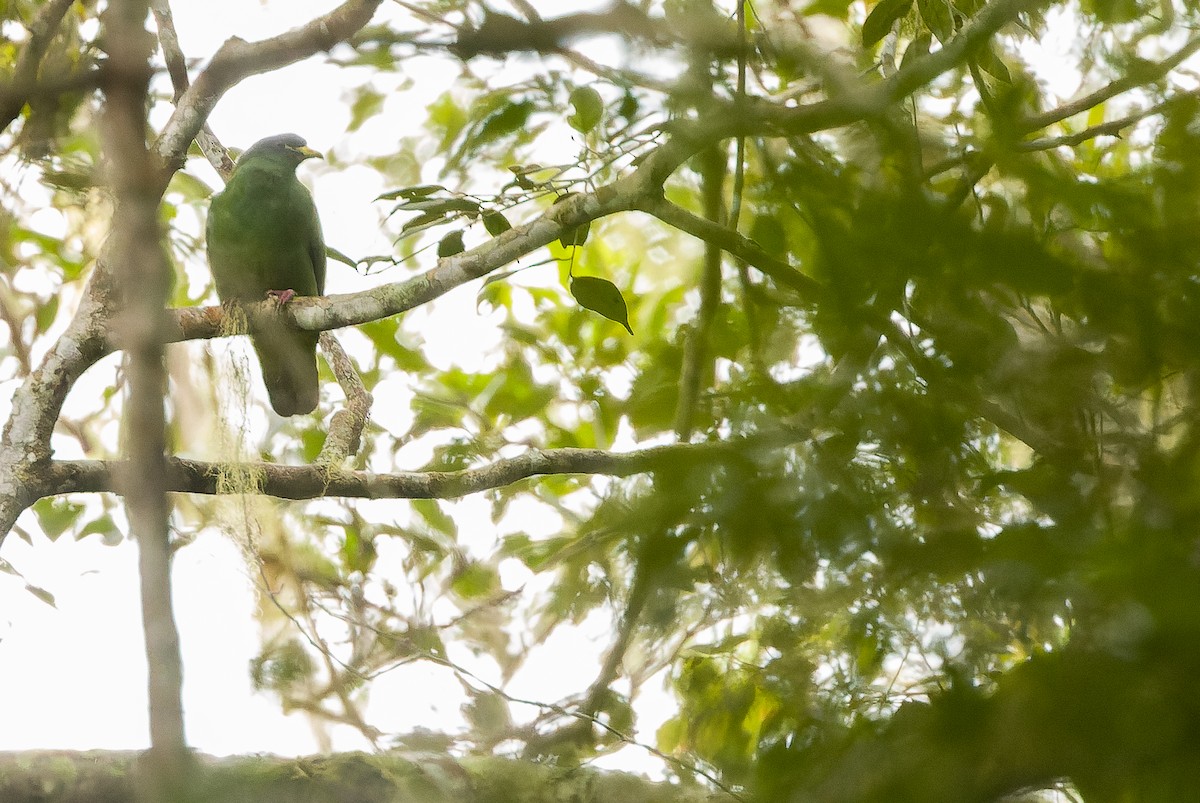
pixel 316 250
pixel 264 235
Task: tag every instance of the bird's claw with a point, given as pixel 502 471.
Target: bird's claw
pixel 281 297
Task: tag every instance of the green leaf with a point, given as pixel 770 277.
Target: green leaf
pixel 438 206
pixel 495 222
pixel 917 48
pixel 45 314
pixel 56 515
pixel 42 594
pixel 601 296
pixel 102 526
pixel 508 119
pixel 589 109
pixel 488 714
pixel 768 232
pixel 419 191
pixel 628 108
pixel 421 223
pixel 450 245
pixel 879 22
pixel 367 103
pixel 991 64
pixel 475 580
pixel 357 551
pixel 576 236
pixel 938 18
pixel 338 256
pixel 430 510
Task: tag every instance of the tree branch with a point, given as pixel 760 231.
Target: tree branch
pixel 786 275
pixel 345 429
pixel 212 149
pixel 144 280
pixel 695 366
pixel 312 482
pixel 238 59
pixel 1144 74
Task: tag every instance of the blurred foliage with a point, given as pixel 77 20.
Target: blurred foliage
pixel 952 554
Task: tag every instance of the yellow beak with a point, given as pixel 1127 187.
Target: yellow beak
pixel 308 153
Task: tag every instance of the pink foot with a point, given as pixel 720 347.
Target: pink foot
pixel 281 296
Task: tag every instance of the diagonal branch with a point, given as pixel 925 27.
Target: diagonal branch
pixel 238 59
pixel 786 275
pixel 216 154
pixel 1144 74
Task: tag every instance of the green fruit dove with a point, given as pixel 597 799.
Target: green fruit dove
pixel 264 240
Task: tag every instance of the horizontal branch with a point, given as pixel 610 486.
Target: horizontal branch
pixel 311 482
pixel 350 309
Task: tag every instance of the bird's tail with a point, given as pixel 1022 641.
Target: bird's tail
pixel 289 365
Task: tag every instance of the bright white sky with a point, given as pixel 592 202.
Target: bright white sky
pixel 74 676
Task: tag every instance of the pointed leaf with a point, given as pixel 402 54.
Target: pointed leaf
pixel 991 64
pixel 937 17
pixel 410 192
pixel 879 21
pixel 601 296
pixel 438 206
pixel 42 594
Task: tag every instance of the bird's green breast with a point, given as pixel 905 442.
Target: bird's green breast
pixel 263 235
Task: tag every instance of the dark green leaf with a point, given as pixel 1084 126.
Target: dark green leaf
pixel 601 296
pixel 879 22
pixel 495 222
pixel 438 206
pixel 990 63
pixel 411 192
pixel 938 18
pixel 508 119
pixel 338 256
pixel 451 244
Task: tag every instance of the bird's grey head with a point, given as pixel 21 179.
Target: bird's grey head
pixel 291 146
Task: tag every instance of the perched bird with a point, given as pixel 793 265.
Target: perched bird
pixel 264 239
